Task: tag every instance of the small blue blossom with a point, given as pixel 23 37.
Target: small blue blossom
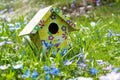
pixel 98 2
pixel 18 25
pixel 78 62
pixel 64 51
pixel 110 33
pixel 54 53
pixel 116 70
pixel 61 53
pixel 11 27
pixel 46 68
pixel 23 51
pixel 34 74
pixel 83 65
pixel 10 10
pixel 100 62
pixel 47 77
pixel 55 71
pixel 93 71
pixel 13 34
pixel 26 74
pixel 81 55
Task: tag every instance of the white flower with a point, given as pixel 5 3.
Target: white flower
pixel 3 17
pixel 68 63
pixel 2 37
pixel 113 14
pixel 74 35
pixel 8 19
pixel 25 1
pixel 93 24
pixel 25 38
pixel 2 43
pixel 108 67
pixel 3 67
pixel 18 66
pixel 100 62
pixel 10 25
pixel 81 78
pixel 36 63
pixel 86 15
pixel 9 42
pixel 111 76
pixel 1 27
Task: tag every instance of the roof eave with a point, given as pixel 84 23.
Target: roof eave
pixel 34 21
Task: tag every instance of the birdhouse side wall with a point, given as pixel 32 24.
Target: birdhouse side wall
pixel 35 38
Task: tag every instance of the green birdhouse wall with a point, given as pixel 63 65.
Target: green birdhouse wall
pixel 48 30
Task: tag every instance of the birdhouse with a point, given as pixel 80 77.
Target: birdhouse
pixel 48 30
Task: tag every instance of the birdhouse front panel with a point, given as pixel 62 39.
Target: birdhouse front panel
pixel 53 34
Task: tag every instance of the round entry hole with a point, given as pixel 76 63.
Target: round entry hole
pixel 53 28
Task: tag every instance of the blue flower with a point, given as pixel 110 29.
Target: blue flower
pixel 34 74
pixel 23 52
pixel 110 33
pixel 11 27
pixel 46 68
pixel 47 77
pixel 64 51
pixel 26 74
pixel 17 25
pixel 93 71
pixel 81 55
pixel 78 62
pixel 82 65
pixel 55 71
pixel 116 70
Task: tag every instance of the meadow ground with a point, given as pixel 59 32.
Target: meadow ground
pixel 95 52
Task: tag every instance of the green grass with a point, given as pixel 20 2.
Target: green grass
pixel 91 40
pixel 100 46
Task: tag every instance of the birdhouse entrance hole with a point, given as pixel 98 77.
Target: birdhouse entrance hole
pixel 53 28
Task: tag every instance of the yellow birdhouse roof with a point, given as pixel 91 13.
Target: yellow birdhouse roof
pixel 44 14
